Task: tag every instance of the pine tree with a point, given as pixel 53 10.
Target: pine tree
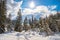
pixel 58 20
pixel 41 24
pixel 30 23
pixel 52 23
pixel 2 15
pixel 47 29
pixel 9 28
pixel 18 26
pixel 26 24
pixel 35 22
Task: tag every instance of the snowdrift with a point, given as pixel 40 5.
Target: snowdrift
pixel 29 35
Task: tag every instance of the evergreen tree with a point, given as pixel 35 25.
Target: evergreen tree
pixel 35 22
pixel 26 24
pixel 46 28
pixel 41 24
pixel 2 15
pixel 18 26
pixel 32 24
pixel 52 23
pixel 9 28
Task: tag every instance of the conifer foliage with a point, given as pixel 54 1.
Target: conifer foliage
pixel 2 15
pixel 18 26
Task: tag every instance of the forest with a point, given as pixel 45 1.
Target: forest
pixel 50 24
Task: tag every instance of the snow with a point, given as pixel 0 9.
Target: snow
pixel 29 35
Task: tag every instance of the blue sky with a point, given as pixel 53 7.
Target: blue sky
pixel 40 8
pixel 41 2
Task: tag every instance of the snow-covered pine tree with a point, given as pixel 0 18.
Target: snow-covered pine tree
pixel 9 23
pixel 18 26
pixel 26 24
pixel 30 23
pixel 35 22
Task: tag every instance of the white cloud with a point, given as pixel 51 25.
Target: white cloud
pixel 52 7
pixel 44 10
pixel 41 9
pixel 13 7
pixel 27 11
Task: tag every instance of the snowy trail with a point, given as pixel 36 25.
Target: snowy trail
pixel 27 36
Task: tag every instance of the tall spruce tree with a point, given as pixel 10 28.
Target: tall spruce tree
pixel 30 23
pixel 35 22
pixel 41 24
pixel 46 28
pixel 26 24
pixel 18 26
pixel 9 28
pixel 2 15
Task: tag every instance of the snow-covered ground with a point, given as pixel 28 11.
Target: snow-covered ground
pixel 29 35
